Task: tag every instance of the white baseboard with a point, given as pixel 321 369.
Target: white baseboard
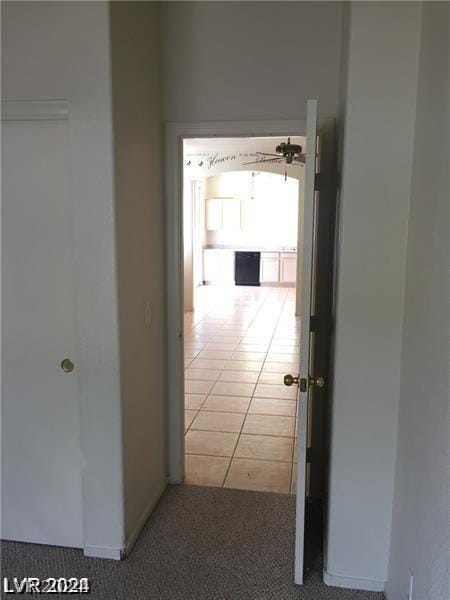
pixel 99 552
pixel 142 521
pixel 387 595
pixel 121 553
pixel 353 583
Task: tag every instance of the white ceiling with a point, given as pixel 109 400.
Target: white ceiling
pixel 245 145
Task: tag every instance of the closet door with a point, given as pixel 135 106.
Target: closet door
pixel 41 462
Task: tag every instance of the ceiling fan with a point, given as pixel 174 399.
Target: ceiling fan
pixel 285 153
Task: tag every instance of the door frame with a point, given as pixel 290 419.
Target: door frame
pixel 175 134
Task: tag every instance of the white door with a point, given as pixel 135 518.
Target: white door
pixel 305 378
pixel 41 463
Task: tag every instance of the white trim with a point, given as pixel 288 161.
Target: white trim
pixel 174 135
pixel 34 110
pixel 100 552
pixel 353 583
pixel 387 594
pixel 142 521
pixel 304 268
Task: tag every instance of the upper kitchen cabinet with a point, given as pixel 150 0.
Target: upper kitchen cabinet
pixel 214 214
pixel 223 214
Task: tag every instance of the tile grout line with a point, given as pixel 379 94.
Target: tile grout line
pixel 293 445
pixel 250 324
pixel 209 394
pixel 248 407
pixel 285 462
pixel 251 399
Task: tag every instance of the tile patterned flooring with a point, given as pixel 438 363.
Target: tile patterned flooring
pixel 240 419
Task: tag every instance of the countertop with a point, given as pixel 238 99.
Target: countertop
pixel 250 248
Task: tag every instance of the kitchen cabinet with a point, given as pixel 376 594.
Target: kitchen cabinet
pixel 270 267
pixel 218 266
pixel 288 268
pixel 214 214
pixel 226 266
pixel 210 265
pixel 278 267
pixel 223 214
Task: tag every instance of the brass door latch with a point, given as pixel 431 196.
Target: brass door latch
pixel 290 379
pixel 303 382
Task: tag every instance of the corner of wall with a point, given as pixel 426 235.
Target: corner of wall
pixel 353 583
pixel 139 211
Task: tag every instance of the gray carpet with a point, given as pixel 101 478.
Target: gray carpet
pixel 199 544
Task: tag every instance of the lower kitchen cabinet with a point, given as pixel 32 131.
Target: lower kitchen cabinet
pixel 218 266
pixel 278 267
pixel 226 266
pixel 270 267
pixel 288 270
pixel 210 265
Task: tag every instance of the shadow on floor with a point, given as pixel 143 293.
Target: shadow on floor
pixel 199 544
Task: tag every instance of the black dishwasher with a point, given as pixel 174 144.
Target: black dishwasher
pixel 246 268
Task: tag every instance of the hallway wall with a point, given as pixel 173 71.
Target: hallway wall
pixel 250 60
pixel 420 540
pixel 136 104
pixel 379 110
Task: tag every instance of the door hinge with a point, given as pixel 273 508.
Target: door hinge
pixel 317 180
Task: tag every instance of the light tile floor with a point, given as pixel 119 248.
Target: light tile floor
pixel 240 418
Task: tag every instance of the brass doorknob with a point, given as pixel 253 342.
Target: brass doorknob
pixel 67 365
pixel 290 379
pixel 317 381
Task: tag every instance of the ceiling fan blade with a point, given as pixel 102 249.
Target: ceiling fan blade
pixel 269 154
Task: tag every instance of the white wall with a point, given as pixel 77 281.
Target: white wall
pixel 250 60
pixel 60 50
pixel 140 253
pixel 420 537
pixel 380 97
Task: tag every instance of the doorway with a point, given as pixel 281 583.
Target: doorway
pixel 176 133
pixel 323 215
pixel 241 207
